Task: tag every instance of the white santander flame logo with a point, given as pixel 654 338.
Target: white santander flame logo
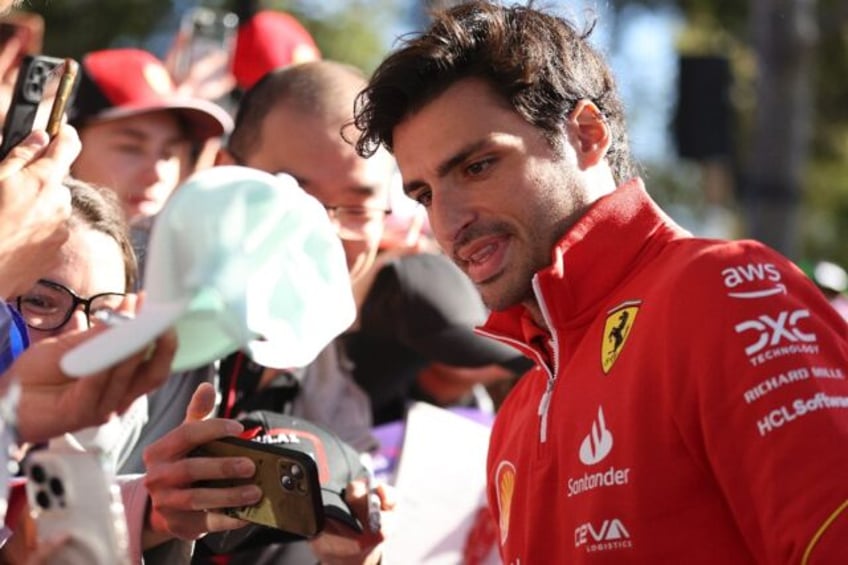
pixel 598 443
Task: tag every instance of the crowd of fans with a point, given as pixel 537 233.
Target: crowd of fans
pixel 78 215
pixel 78 212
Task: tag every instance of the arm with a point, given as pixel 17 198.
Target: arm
pixel 51 403
pixel 765 402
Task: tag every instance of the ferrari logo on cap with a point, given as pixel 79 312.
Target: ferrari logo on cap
pixel 616 330
pixel 158 79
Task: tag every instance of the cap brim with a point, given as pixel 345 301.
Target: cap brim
pixel 120 341
pixel 204 119
pixel 462 347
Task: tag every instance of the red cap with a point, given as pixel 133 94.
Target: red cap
pixel 267 41
pixel 118 83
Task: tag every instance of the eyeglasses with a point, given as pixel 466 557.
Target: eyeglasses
pixel 356 222
pixel 49 305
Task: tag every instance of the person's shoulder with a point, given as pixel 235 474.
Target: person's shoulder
pixel 728 266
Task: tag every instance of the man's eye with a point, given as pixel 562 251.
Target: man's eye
pixel 425 197
pixel 479 167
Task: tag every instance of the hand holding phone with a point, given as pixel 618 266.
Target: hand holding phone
pixel 204 34
pixel 34 79
pixel 70 493
pixel 288 479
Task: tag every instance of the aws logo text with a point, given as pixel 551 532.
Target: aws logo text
pixel 751 274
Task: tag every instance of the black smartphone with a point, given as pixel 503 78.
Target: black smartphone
pixel 34 75
pixel 291 491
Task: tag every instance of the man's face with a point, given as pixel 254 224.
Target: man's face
pixel 327 167
pixel 497 194
pixel 139 157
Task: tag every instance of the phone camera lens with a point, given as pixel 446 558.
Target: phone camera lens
pixel 296 471
pixel 56 487
pixel 38 474
pixel 287 482
pixel 43 499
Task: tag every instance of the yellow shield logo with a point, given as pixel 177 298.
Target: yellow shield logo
pixel 616 330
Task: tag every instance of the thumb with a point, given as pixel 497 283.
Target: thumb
pixel 202 403
pixel 24 153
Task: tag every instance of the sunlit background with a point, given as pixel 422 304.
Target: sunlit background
pixel 773 165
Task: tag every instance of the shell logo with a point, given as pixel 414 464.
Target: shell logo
pixel 505 483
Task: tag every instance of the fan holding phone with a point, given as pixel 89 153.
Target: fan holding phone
pixel 38 76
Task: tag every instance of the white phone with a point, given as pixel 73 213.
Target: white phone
pixel 72 493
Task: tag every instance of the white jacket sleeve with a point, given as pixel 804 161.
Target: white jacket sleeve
pixel 134 495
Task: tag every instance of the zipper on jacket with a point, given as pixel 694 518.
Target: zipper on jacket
pixel 545 401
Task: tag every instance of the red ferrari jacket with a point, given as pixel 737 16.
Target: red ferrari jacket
pixel 690 403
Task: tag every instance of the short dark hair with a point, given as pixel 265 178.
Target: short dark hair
pixel 100 210
pixel 312 88
pixel 539 63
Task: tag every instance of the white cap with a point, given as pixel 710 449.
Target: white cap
pixel 238 259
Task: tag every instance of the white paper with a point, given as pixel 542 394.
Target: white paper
pixel 440 484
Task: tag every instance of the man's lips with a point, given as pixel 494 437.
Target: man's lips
pixel 483 258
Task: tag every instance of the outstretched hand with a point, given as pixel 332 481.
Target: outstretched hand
pixel 52 403
pixel 338 544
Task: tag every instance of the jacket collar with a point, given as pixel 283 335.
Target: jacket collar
pixel 596 255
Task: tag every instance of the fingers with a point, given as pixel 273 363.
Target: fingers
pixel 202 403
pixel 190 470
pixel 185 438
pixel 192 525
pixel 59 156
pixel 179 500
pixel 32 147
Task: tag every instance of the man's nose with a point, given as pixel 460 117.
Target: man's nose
pixel 450 212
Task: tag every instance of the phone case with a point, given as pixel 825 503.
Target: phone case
pixel 289 482
pixel 29 90
pixel 70 492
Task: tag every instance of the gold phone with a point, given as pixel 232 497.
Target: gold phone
pixel 63 96
pixel 291 499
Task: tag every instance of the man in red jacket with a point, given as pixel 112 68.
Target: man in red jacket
pixel 690 401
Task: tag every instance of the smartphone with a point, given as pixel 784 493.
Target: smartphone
pixel 71 493
pixel 291 491
pixel 36 76
pixel 205 31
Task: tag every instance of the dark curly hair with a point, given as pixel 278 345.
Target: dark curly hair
pixel 539 63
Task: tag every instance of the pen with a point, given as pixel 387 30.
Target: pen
pixel 373 498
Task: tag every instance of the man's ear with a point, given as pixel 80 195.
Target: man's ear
pixel 224 157
pixel 590 132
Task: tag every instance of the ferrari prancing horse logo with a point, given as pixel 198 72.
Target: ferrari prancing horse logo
pixel 616 330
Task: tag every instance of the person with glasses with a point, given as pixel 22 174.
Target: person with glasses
pixel 290 122
pixel 96 271
pixel 49 306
